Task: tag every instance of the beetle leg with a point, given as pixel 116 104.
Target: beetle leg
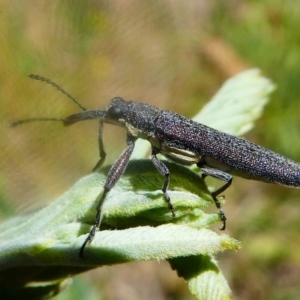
pixel 221 175
pixel 102 152
pixel 114 174
pixel 163 170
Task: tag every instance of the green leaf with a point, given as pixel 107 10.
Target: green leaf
pixel 238 104
pixel 43 247
pixel 205 280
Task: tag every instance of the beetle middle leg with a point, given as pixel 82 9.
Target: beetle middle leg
pixel 163 170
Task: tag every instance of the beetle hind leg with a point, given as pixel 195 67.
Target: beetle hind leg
pixel 221 175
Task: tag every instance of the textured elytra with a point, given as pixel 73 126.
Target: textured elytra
pixel 243 158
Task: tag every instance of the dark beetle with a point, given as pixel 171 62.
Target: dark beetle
pixel 184 141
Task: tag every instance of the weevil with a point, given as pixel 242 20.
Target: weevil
pixel 183 141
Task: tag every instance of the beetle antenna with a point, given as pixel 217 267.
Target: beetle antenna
pixel 17 123
pixel 41 78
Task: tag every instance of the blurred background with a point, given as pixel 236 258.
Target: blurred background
pixel 175 55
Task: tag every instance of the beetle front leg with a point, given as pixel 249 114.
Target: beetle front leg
pixel 102 152
pixel 114 174
pixel 163 170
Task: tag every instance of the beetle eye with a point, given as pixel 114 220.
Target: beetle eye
pixel 114 113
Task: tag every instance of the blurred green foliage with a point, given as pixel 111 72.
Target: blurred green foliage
pixel 153 52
